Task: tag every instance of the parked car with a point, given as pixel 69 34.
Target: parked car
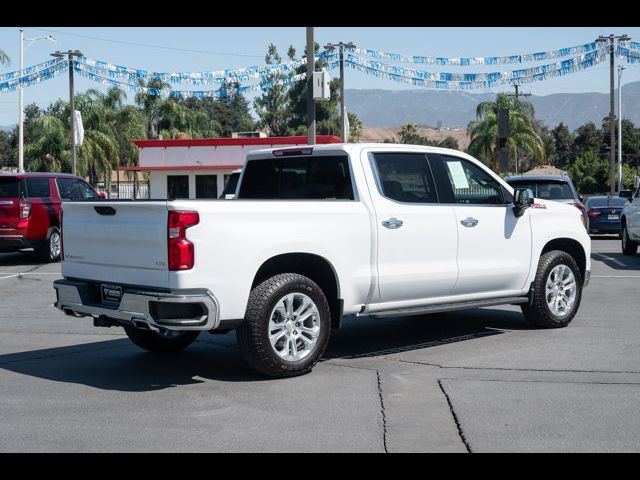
pixel 30 210
pixel 603 214
pixel 628 194
pixel 317 233
pixel 630 225
pixel 232 183
pixel 558 188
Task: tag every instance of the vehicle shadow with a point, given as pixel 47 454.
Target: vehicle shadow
pixel 19 259
pixel 119 365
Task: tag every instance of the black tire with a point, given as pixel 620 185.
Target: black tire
pixel 161 342
pixel 629 247
pixel 253 334
pixel 47 252
pixel 539 313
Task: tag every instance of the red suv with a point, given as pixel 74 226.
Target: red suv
pixel 30 210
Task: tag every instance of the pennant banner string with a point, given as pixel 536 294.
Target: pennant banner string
pixel 466 61
pixel 472 77
pixel 29 70
pixel 565 69
pixel 39 76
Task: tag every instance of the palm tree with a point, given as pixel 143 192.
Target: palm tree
pixel 4 58
pixel 522 136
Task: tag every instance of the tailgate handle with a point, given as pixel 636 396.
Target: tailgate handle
pixel 105 210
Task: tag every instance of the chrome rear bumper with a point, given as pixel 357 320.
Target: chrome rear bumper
pixel 175 310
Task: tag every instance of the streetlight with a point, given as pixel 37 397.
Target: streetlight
pixel 21 94
pixel 611 40
pixel 620 69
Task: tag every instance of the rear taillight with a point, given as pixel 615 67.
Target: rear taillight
pixel 594 213
pixel 578 206
pixel 181 253
pixel 25 209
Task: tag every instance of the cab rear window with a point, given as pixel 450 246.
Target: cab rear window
pixel 297 178
pixel 9 187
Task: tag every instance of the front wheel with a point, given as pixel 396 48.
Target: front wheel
pixel 164 341
pixel 286 327
pixel 557 291
pixel 629 247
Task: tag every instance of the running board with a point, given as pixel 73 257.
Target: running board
pixel 446 307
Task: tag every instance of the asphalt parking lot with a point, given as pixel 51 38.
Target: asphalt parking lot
pixel 479 380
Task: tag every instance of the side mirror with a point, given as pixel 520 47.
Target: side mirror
pixel 102 195
pixel 581 198
pixel 522 199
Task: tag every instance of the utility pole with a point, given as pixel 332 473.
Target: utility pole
pixel 517 95
pixel 72 106
pixel 21 96
pixel 311 104
pixel 612 151
pixel 620 69
pixel 343 107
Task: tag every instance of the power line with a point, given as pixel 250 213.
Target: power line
pixel 148 45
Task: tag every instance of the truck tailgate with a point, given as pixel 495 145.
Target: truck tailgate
pixel 120 242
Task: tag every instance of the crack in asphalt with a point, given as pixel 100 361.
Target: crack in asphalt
pixel 455 418
pixel 384 414
pixel 503 369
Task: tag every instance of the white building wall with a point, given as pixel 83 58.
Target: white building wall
pixel 158 180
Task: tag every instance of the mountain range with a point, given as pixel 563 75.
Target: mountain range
pixel 390 108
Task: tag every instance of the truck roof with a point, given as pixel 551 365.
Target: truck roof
pixel 37 174
pixel 350 147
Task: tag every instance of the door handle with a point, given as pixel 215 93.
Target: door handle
pixel 469 222
pixel 392 223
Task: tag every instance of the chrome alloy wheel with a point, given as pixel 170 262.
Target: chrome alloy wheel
pixel 561 290
pixel 294 327
pixel 54 245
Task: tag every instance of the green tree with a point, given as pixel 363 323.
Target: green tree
pixel 327 117
pixel 231 111
pixel 588 138
pixel 272 105
pixel 522 134
pixel 590 173
pixel 4 58
pixel 355 127
pixel 563 142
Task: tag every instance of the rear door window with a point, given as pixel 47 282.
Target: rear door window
pixel 37 187
pixel 9 187
pixel 298 178
pixel 405 177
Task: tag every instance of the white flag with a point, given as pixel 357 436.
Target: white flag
pixel 79 133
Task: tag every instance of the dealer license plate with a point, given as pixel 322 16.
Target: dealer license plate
pixel 613 217
pixel 111 293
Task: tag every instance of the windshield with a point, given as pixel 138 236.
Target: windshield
pixel 9 187
pixel 547 190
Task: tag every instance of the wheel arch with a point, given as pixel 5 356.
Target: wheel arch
pixel 313 266
pixel 572 247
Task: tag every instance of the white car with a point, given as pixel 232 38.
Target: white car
pixel 317 233
pixel 630 224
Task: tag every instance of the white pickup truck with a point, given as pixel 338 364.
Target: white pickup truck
pixel 315 234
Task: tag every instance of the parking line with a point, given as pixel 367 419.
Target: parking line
pixel 10 276
pixel 614 260
pixel 29 273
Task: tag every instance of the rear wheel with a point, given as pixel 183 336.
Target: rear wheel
pixel 286 327
pixel 164 341
pixel 557 291
pixel 629 247
pixel 50 251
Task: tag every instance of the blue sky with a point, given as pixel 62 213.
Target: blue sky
pixel 218 48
